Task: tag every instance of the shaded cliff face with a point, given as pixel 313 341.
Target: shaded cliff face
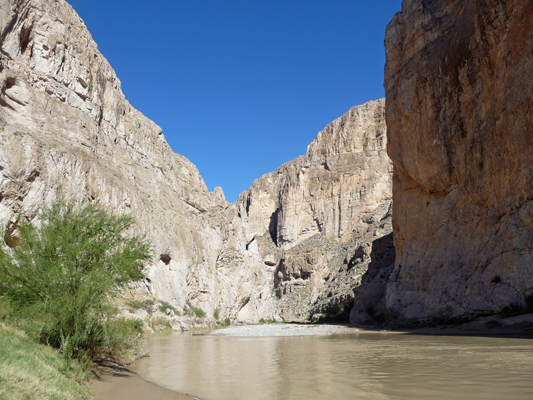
pixel 459 89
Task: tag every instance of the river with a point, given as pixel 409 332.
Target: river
pixel 349 366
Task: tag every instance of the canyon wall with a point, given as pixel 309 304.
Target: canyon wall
pixel 66 129
pixel 313 219
pixel 344 176
pixel 294 245
pixel 459 89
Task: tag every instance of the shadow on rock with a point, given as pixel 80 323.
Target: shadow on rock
pixel 369 297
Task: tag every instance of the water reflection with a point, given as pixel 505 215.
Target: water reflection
pixel 358 366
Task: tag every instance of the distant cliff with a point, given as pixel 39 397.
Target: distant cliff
pixel 459 89
pixel 313 219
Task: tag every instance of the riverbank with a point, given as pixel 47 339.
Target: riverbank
pixel 518 326
pixel 277 330
pixel 117 382
pixel 29 370
pixel 496 326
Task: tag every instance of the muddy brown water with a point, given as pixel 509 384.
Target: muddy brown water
pixel 356 366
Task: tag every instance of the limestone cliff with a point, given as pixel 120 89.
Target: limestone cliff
pixel 295 243
pixel 459 89
pixel 66 127
pixel 344 176
pixel 312 220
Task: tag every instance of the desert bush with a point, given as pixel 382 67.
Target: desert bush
pixel 62 269
pixel 145 305
pixel 196 310
pixel 122 337
pixel 159 323
pixel 164 305
pixel 263 321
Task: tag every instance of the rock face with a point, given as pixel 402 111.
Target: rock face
pixel 459 88
pixel 67 129
pixel 313 215
pixel 344 177
pixel 294 244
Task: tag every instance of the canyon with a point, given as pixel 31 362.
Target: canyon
pixel 293 246
pixel 420 206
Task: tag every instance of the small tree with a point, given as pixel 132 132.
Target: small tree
pixel 62 269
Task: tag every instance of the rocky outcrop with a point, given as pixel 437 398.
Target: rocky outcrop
pixel 344 176
pixel 316 279
pixel 459 88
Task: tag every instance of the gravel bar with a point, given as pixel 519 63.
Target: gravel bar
pixel 267 330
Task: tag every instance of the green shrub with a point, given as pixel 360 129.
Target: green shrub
pixel 263 321
pixel 5 308
pixel 122 337
pixel 145 305
pixel 60 273
pixel 216 313
pixel 164 305
pixel 159 323
pixel 196 310
pixel 227 322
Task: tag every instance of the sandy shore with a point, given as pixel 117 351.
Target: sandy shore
pixel 520 326
pixel 269 330
pixel 119 383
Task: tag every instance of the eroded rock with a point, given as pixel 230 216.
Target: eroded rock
pixel 66 128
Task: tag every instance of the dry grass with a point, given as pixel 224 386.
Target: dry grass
pixel 33 371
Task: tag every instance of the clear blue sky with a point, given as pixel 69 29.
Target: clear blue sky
pixel 242 86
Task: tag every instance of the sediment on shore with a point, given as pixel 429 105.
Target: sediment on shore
pixel 117 382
